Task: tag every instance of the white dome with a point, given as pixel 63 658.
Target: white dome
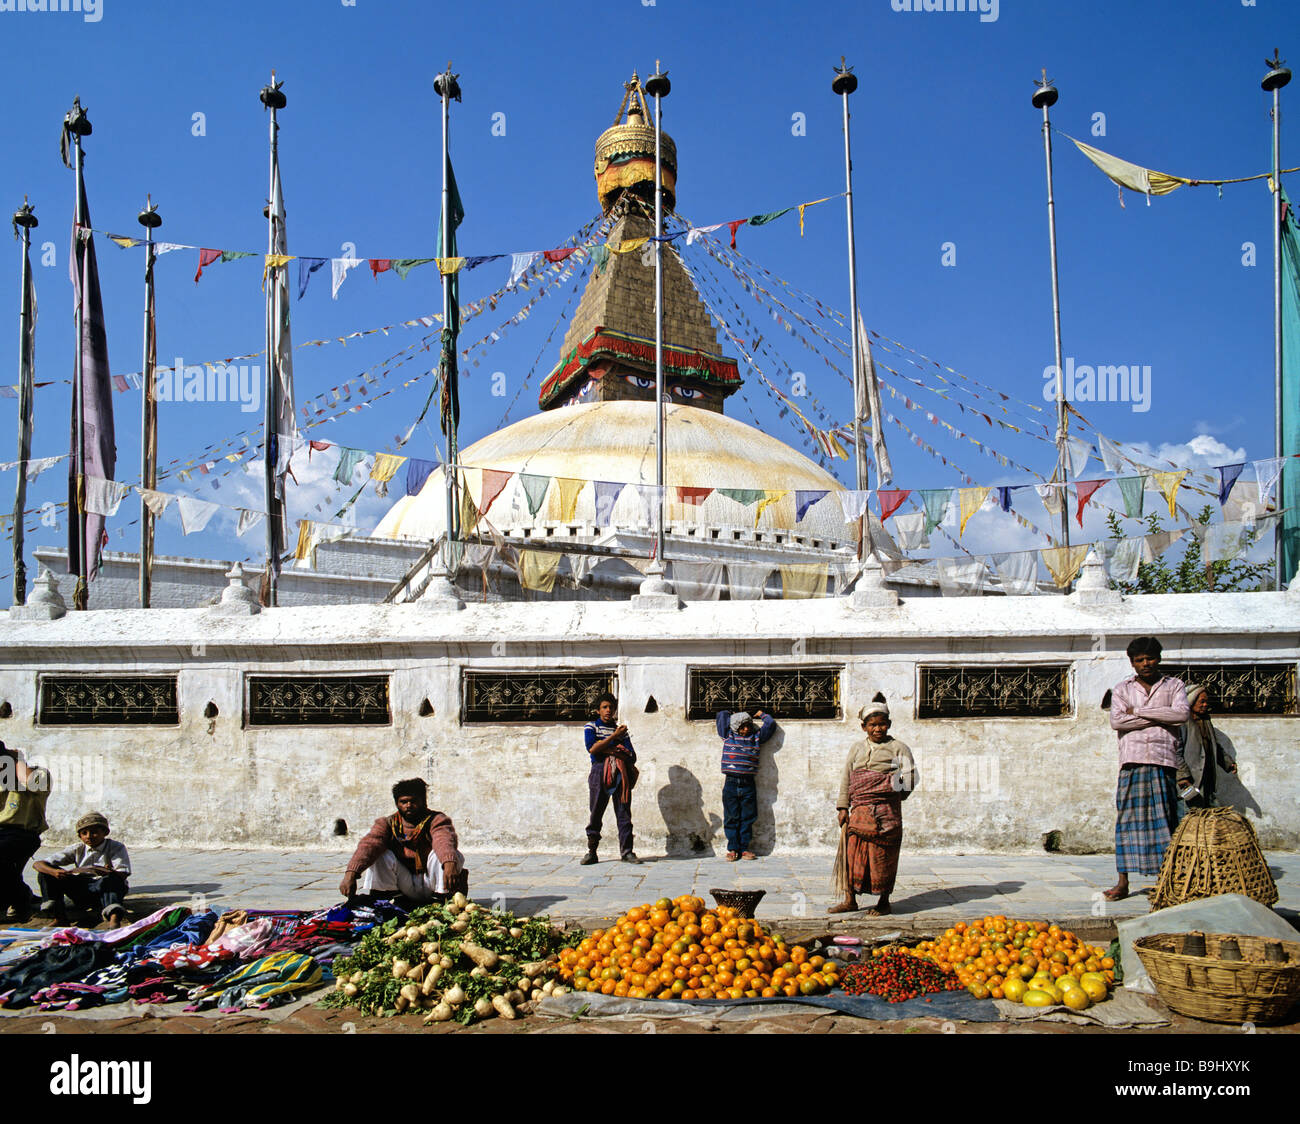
pixel 615 441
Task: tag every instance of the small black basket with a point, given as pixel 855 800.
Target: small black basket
pixel 744 902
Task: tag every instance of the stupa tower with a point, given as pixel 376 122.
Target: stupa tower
pixel 608 351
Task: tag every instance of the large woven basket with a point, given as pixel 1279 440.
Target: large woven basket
pixel 1252 989
pixel 1213 851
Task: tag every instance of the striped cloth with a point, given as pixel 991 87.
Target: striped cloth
pixel 1146 800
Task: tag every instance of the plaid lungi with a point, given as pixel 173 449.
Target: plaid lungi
pixel 1147 802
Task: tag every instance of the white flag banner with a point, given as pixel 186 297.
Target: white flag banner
pixel 1052 497
pixel 1222 542
pixel 1017 571
pixel 104 497
pixel 248 520
pixel 693 235
pixel 36 467
pixel 697 581
pixel 854 503
pixel 195 514
pixel 156 501
pixel 519 265
pixel 1079 451
pixel 745 581
pixel 339 270
pixel 1267 472
pixel 909 531
pixel 650 495
pixel 960 577
pixel 1122 558
pixel 1111 457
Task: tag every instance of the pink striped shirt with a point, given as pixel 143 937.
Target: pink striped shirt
pixel 1148 723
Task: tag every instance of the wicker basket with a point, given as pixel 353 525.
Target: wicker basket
pixel 1213 851
pixel 1253 989
pixel 744 902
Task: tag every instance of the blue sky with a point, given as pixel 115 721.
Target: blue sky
pixel 947 149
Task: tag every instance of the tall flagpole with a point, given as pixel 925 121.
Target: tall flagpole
pixel 150 220
pixel 1277 77
pixel 1045 97
pixel 25 217
pixel 658 86
pixel 446 87
pixel 273 98
pixel 844 83
pixel 78 125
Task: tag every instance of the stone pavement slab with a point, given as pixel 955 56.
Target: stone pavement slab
pixel 932 890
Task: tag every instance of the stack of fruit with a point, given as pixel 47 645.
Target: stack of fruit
pixel 679 949
pixel 897 975
pixel 1028 962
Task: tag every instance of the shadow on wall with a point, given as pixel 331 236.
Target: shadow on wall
pixel 1229 790
pixel 681 804
pixel 769 776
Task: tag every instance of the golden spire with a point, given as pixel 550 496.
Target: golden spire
pixel 625 153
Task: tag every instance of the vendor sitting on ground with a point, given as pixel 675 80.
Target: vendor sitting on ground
pixel 412 853
pixel 93 873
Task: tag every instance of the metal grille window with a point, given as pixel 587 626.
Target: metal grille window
pixel 1024 691
pixel 318 700
pixel 533 696
pixel 1255 688
pixel 119 700
pixel 783 692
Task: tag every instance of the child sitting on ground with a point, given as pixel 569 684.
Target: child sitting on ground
pixel 92 873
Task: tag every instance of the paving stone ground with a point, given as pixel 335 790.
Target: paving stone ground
pixel 931 887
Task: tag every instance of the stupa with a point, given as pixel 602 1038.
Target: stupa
pixel 598 417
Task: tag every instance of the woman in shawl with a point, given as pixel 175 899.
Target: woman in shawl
pixel 1201 753
pixel 878 776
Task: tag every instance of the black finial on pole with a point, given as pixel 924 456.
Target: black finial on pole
pixel 1046 93
pixel 24 217
pixel 445 84
pixel 1278 74
pixel 271 96
pixel 845 81
pixel 149 217
pixel 657 85
pixel 76 121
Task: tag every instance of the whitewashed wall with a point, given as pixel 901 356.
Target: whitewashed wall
pixel 987 785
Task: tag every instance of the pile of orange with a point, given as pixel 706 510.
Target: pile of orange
pixel 678 949
pixel 989 954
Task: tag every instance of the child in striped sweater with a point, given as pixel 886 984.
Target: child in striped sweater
pixel 740 742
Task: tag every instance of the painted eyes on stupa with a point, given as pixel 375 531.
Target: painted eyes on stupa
pixel 688 391
pixel 641 381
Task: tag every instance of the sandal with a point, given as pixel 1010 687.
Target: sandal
pixel 749 856
pixel 731 856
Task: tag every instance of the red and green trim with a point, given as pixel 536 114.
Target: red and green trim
pixel 605 343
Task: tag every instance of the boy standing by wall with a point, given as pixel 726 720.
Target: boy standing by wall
pixel 740 742
pixel 613 776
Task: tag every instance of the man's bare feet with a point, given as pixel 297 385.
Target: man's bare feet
pixel 848 905
pixel 881 908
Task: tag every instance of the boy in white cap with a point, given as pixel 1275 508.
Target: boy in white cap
pixel 93 873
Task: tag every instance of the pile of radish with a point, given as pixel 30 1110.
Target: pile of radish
pixel 457 961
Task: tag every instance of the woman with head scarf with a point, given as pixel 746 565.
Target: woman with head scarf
pixel 1201 754
pixel 878 776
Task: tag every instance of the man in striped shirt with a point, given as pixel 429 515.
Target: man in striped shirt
pixel 740 742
